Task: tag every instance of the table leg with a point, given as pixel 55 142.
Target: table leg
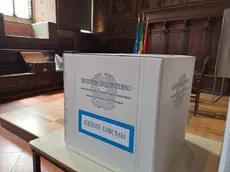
pixel 36 162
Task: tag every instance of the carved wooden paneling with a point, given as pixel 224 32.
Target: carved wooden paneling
pixel 66 14
pixel 157 38
pixel 145 4
pixel 122 29
pixel 11 83
pixel 204 9
pixel 30 81
pixel 175 38
pixel 26 84
pixel 122 18
pixel 196 38
pixel 122 9
pixel 2 83
pixel 192 29
pixel 22 83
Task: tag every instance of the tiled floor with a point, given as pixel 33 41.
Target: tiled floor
pixel 16 156
pixel 27 102
pixel 207 127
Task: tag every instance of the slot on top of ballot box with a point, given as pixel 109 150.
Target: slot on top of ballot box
pixel 125 111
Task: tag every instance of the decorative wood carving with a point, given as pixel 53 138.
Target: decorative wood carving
pixel 185 28
pixel 192 29
pixel 175 42
pixel 145 4
pixel 157 38
pixel 204 9
pixel 123 29
pixel 123 8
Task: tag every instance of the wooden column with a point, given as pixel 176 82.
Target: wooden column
pixel 2 30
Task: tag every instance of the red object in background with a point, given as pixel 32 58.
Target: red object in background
pixel 18 29
pixel 146 38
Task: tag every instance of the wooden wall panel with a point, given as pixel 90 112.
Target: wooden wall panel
pixel 2 84
pixel 196 35
pixel 157 39
pixel 121 9
pixel 175 38
pixel 192 29
pixel 122 19
pixel 66 14
pixel 83 14
pixel 122 29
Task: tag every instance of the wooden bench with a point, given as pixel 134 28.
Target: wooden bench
pixel 14 86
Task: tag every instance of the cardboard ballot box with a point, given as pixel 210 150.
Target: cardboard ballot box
pixel 127 112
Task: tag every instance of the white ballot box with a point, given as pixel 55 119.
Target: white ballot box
pixel 224 165
pixel 127 112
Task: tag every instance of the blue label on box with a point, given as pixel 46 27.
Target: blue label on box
pixel 113 132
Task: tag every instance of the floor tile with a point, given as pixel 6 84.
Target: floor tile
pixel 10 143
pixel 31 123
pixel 55 169
pixel 206 127
pixel 7 161
pixel 31 101
pixel 47 111
pixel 16 155
pixel 25 163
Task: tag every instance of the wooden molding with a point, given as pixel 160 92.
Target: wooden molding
pixel 204 9
pixel 189 29
pixel 2 29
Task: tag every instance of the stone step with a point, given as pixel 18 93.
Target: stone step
pixel 35 121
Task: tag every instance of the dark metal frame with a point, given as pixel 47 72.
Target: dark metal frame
pixel 37 162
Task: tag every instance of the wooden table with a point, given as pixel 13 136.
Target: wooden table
pixel 197 154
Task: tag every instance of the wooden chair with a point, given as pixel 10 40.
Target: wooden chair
pixel 198 84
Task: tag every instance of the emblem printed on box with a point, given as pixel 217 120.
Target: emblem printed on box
pixel 180 87
pixel 104 91
pixel 112 132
